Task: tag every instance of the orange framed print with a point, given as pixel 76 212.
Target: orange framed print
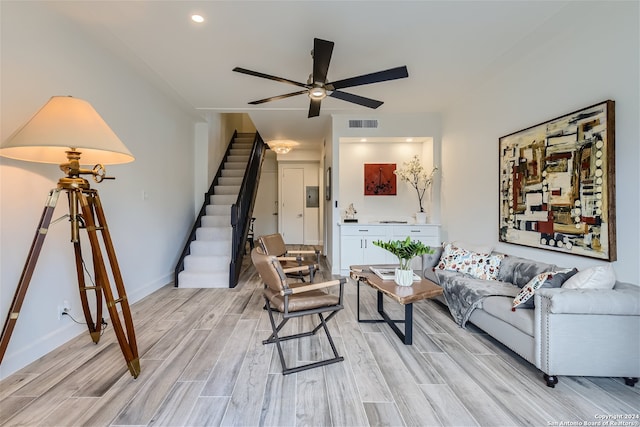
pixel 379 179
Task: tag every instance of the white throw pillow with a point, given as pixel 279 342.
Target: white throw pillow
pixel 600 277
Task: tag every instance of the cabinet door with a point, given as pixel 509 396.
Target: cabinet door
pixel 351 251
pixel 427 234
pixel 376 255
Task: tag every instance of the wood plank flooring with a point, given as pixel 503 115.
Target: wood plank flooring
pixel 203 364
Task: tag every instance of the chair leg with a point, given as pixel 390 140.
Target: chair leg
pixel 326 330
pixel 275 338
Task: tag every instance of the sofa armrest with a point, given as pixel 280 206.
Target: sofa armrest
pixel 618 301
pixel 602 324
pixel 429 261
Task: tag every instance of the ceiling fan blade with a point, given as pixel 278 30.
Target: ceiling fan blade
pixel 275 98
pixel 314 108
pixel 356 99
pixel 380 76
pixel 322 50
pixel 267 76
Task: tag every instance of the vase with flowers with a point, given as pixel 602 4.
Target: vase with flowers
pixel 416 175
pixel 405 251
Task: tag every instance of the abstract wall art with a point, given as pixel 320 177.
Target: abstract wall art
pixel 557 184
pixel 379 179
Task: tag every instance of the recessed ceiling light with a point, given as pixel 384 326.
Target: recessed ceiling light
pixel 197 18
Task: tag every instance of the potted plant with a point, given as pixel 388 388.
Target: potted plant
pixel 415 174
pixel 405 250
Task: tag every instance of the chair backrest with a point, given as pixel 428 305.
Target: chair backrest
pixel 269 269
pixel 273 244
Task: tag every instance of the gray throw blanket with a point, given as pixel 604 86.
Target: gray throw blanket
pixel 464 293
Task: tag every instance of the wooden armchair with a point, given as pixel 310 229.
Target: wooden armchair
pixel 296 301
pixel 273 244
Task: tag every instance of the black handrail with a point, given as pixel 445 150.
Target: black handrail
pixel 203 211
pixel 242 209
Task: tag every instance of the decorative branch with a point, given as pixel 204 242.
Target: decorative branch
pixel 414 173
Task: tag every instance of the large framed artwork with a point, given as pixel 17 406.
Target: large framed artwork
pixel 379 179
pixel 557 184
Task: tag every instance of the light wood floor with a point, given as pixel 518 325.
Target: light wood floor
pixel 203 364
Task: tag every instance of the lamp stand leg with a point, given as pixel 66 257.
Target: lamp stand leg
pixel 92 211
pixel 27 271
pixel 95 328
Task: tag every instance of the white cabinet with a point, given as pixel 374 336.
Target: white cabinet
pixel 429 234
pixel 357 248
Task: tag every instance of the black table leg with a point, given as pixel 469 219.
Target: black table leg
pixel 407 336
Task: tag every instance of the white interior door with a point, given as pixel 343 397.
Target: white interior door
pixel 292 205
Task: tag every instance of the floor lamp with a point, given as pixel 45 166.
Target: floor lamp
pixel 67 126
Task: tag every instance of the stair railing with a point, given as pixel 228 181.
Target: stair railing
pixel 203 211
pixel 242 210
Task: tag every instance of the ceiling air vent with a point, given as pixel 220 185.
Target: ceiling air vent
pixel 363 124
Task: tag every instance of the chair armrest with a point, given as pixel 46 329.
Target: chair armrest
pixel 621 302
pixel 287 258
pixel 295 251
pixel 313 286
pixel 309 268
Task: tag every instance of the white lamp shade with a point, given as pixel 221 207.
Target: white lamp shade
pixel 61 124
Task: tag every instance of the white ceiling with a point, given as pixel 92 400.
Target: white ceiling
pixel 448 47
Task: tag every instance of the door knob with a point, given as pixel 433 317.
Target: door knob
pixel 299 215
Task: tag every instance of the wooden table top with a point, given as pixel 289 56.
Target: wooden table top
pixel 403 294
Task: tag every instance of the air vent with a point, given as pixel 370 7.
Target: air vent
pixel 363 124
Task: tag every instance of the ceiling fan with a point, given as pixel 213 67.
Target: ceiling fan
pixel 317 87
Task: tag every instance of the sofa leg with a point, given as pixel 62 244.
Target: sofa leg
pixel 630 381
pixel 551 380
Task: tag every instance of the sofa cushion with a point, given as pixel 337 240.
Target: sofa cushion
pixel 480 266
pixel 622 300
pixel 600 277
pixel 548 279
pixel 429 261
pixel 520 271
pixel 500 307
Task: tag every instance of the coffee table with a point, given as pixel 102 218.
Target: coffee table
pixel 405 295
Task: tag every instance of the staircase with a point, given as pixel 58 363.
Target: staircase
pixel 207 265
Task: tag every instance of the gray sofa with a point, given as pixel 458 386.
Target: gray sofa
pixel 581 332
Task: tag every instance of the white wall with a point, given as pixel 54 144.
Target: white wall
pixel 593 58
pixel 265 208
pixel 401 206
pixel 45 55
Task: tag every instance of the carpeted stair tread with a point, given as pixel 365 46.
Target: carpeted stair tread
pixel 209 248
pixel 212 210
pixel 233 173
pixel 188 279
pixel 226 189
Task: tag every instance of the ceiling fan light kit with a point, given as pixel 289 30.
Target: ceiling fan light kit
pixel 318 93
pixel 318 88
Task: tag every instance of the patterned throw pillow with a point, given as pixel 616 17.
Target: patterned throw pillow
pixel 480 266
pixel 548 279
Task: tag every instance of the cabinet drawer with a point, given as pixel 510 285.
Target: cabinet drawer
pixel 364 230
pixel 416 231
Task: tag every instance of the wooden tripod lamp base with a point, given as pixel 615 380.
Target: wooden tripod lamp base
pixel 71 125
